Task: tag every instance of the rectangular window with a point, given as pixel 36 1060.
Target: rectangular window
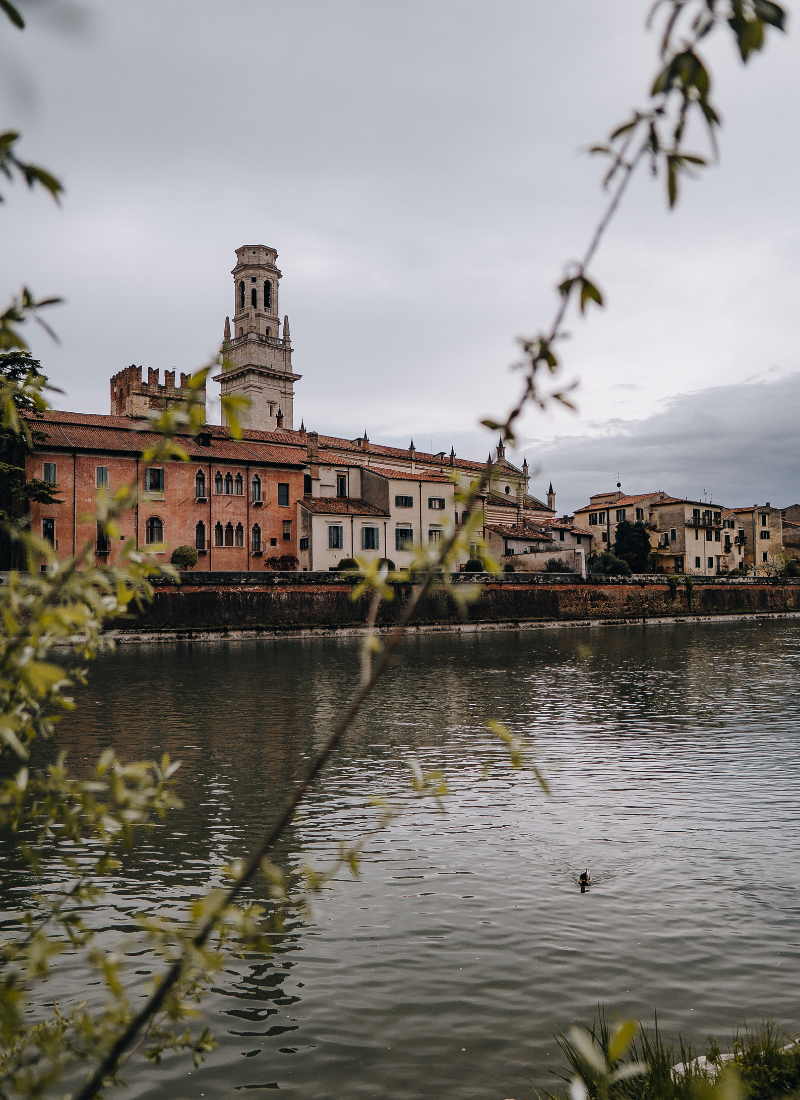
pixel 593 519
pixel 102 543
pixel 578 539
pixel 283 494
pixel 49 475
pixel 697 563
pixel 335 538
pixel 436 504
pixel 304 544
pixel 341 485
pixel 287 530
pixel 560 536
pixel 640 513
pixel 717 517
pixel 763 534
pixel 153 480
pixel 763 519
pixel 369 538
pixel 435 536
pixel 764 556
pixel 709 534
pixel 404 502
pixel 710 563
pixel 696 515
pixel 604 537
pixel 696 534
pixel 673 534
pixel 403 538
pixel 49 530
pixel 273 542
pixel 601 518
pixel 620 515
pixel 717 536
pixel 101 477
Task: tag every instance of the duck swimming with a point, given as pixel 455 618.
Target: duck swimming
pixel 585 880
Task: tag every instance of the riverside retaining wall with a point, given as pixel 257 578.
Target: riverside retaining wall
pixel 286 602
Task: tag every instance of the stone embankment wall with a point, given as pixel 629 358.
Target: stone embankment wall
pixel 283 602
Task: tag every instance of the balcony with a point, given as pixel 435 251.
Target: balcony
pixel 703 521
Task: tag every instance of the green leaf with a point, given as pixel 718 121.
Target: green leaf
pixel 12 14
pixel 770 13
pixel 589 293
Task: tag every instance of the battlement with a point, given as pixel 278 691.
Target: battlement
pixel 130 396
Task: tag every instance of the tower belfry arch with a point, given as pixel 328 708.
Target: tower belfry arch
pixel 258 356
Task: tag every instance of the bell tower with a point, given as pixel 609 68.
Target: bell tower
pixel 258 357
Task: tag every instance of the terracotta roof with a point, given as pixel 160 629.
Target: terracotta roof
pixel 406 475
pixel 621 502
pixel 341 506
pixel 752 508
pixel 518 532
pixel 118 435
pixel 288 439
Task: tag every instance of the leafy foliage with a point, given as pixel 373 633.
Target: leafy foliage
pixel 556 565
pixel 286 562
pixel 632 544
pixel 761 1063
pixel 21 385
pixel 184 557
pixel 610 564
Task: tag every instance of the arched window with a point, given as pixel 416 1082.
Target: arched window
pixel 239 485
pixel 218 535
pixel 267 295
pixel 200 536
pixel 238 539
pixel 255 542
pixel 241 296
pixel 229 483
pixel 229 534
pixel 199 484
pixel 255 486
pixel 253 298
pixel 217 482
pixel 153 530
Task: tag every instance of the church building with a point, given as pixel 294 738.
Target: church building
pixel 279 492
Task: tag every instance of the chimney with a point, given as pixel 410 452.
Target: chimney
pixel 312 447
pixel 279 419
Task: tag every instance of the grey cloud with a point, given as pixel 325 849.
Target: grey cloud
pixel 738 442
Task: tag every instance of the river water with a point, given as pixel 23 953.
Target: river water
pixel 673 752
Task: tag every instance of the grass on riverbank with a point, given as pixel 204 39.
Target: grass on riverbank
pixel 764 1062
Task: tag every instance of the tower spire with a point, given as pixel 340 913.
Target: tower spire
pixel 258 364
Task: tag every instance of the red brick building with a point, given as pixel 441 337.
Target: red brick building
pixel 235 501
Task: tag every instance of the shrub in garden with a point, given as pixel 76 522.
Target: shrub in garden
pixel 184 557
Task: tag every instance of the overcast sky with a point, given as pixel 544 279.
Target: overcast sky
pixel 419 168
